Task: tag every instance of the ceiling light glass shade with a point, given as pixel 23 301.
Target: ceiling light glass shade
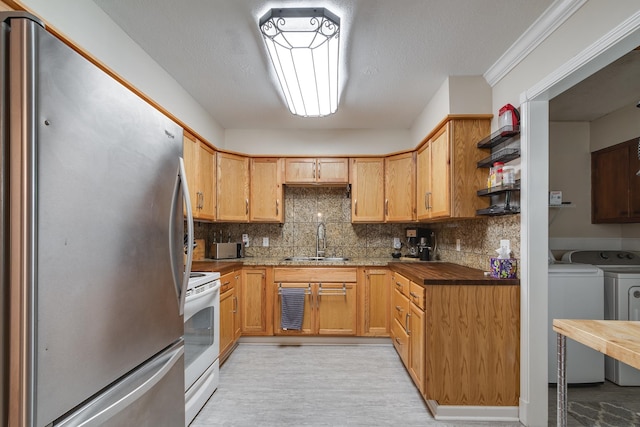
pixel 303 45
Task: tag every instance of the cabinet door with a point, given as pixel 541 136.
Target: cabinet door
pixel 190 156
pixel 336 307
pixel 367 190
pixel 226 321
pixel 400 341
pixel 332 171
pixel 423 182
pixel 440 190
pixel 300 171
pixel 253 307
pixel 610 176
pixel 374 302
pixel 206 180
pixel 634 180
pixel 400 188
pixel 266 203
pixel 237 310
pixel 417 346
pixel 309 317
pixel 233 187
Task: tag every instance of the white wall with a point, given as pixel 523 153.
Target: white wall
pixel 92 29
pixel 570 172
pixel 318 142
pixel 456 95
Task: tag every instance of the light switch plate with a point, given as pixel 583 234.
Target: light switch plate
pixel 265 241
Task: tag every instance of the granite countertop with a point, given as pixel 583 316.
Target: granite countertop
pixel 422 272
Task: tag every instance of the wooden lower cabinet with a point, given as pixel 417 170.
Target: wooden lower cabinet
pixel 255 302
pixel 373 302
pixel 230 325
pixel 417 355
pixel 473 344
pixel 330 302
pixel 459 343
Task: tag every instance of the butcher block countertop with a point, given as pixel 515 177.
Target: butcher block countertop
pixel 425 273
pixel 619 339
pixel 438 273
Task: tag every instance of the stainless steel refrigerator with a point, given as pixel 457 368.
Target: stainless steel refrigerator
pixel 92 243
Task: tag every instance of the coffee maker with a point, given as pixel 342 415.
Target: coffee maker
pixel 418 242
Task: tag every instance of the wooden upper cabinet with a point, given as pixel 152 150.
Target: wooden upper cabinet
pixel 400 188
pixel 266 201
pixel 200 166
pixel 447 171
pixel 423 181
pixel 440 191
pixel 233 188
pixel 367 189
pixel 316 171
pixel 615 187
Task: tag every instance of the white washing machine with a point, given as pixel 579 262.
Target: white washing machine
pixel 575 292
pixel 621 300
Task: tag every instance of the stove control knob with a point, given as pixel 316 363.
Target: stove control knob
pixel 604 255
pixel 629 256
pixel 620 255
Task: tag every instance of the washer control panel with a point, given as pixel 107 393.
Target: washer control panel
pixel 603 258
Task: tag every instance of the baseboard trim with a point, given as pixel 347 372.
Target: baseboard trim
pixel 472 413
pixel 306 340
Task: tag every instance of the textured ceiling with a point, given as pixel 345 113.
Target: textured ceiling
pixel 396 53
pixel 613 87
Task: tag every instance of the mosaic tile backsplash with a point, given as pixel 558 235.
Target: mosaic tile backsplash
pixel 297 236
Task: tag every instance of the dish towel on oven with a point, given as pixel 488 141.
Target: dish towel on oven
pixel 292 304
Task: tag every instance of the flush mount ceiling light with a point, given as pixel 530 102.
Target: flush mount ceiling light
pixel 303 44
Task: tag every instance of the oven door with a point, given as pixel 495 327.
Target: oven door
pixel 201 332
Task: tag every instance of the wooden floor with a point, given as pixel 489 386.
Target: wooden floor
pixel 318 385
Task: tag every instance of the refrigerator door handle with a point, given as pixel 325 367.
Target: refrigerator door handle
pixel 126 392
pixel 181 285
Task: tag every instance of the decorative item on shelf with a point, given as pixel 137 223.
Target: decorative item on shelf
pixel 508 115
pixel 555 198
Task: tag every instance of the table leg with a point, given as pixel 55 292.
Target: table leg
pixel 562 381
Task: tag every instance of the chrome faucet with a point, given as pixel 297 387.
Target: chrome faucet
pixel 320 237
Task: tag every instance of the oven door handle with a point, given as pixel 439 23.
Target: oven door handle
pixel 209 291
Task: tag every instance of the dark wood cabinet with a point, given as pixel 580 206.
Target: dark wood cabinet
pixel 615 187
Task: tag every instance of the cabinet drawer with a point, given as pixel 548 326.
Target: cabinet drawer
pixel 417 294
pixel 227 281
pixel 400 283
pixel 315 275
pixel 400 307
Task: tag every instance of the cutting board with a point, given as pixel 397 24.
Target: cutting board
pixel 198 252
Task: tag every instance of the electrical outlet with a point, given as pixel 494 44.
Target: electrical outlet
pixel 458 245
pixel 265 241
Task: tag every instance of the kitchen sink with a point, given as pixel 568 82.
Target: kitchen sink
pixel 316 258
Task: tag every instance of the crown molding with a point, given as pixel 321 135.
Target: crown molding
pixel 546 24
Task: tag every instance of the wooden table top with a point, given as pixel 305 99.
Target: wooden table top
pixel 619 339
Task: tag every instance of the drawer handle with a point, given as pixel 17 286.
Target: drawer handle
pixel 398 284
pixel 413 294
pixel 399 308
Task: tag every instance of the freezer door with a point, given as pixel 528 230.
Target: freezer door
pixel 148 397
pixel 102 227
